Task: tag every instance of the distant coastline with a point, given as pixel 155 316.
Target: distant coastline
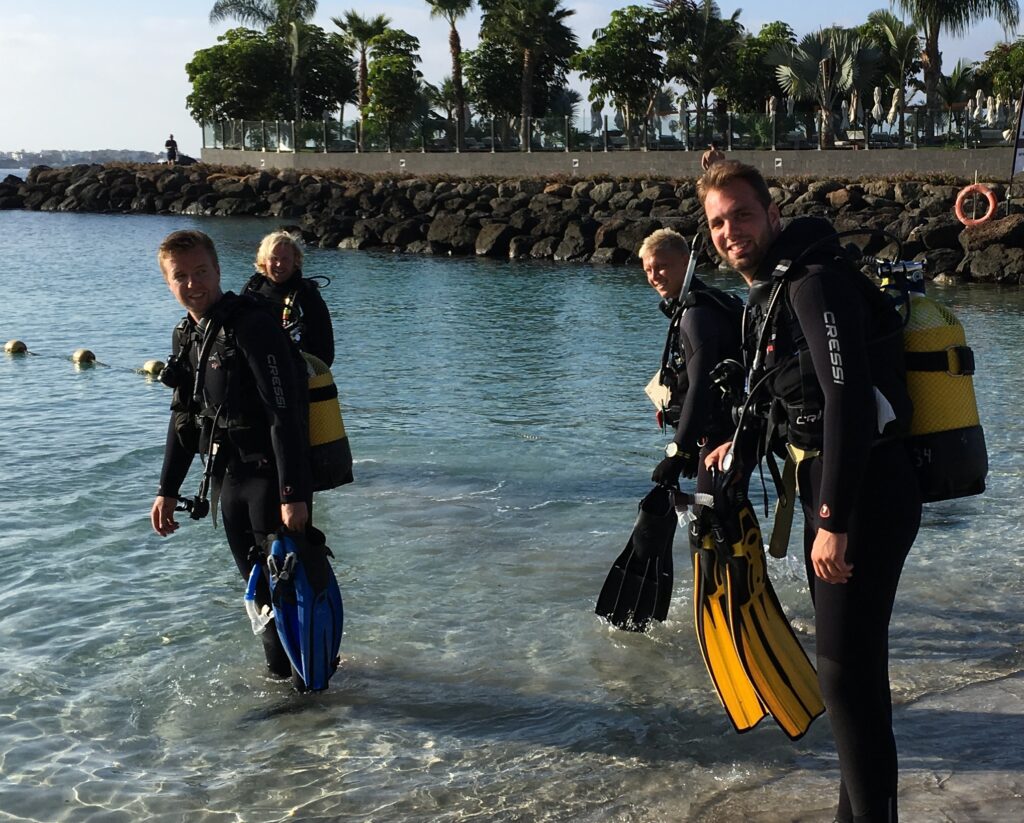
pixel 57 158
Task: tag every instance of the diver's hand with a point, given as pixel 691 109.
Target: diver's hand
pixel 715 457
pixel 667 472
pixel 162 515
pixel 294 516
pixel 828 557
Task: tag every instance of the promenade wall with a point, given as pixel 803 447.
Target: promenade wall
pixel 846 164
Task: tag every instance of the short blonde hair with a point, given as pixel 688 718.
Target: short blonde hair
pixel 271 242
pixel 668 239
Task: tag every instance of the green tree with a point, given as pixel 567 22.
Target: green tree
pixel 700 47
pixel 624 64
pixel 538 33
pixel 396 93
pixel 823 66
pixel 451 11
pixel 749 85
pixel 244 77
pixel 359 33
pixel 899 48
pixel 239 78
pixel 285 18
pixel 933 17
pixel 1002 70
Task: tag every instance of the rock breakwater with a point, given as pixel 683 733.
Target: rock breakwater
pixel 600 221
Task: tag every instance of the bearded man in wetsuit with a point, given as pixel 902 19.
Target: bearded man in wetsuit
pixel 830 357
pixel 239 399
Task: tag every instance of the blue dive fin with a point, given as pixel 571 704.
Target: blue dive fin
pixel 308 610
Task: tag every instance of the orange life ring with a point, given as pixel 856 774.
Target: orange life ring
pixel 984 191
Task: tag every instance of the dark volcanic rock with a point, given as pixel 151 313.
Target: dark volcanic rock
pixel 494 240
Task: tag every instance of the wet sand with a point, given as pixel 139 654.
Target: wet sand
pixel 961 761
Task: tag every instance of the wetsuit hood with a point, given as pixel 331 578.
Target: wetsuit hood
pixel 795 239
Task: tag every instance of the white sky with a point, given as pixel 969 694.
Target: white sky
pixel 110 74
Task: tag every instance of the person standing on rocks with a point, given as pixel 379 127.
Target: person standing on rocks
pixel 171 146
pixel 711 156
pixel 827 348
pixel 297 301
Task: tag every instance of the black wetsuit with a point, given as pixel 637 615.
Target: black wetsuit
pixel 254 406
pixel 861 484
pixel 310 321
pixel 707 333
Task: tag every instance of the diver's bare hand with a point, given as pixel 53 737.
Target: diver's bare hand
pixel 828 557
pixel 294 516
pixel 714 458
pixel 162 515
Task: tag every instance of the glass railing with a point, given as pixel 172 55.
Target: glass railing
pixel 690 130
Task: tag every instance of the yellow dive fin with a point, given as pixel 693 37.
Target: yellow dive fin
pixel 710 617
pixel 767 647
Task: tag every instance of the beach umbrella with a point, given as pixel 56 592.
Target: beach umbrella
pixel 844 119
pixel 894 109
pixel 969 109
pixel 1001 111
pixel 854 109
pixel 992 115
pixel 979 105
pixel 790 104
pixel 877 112
pixel 773 105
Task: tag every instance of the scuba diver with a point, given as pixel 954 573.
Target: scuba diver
pixel 824 357
pixel 296 300
pixel 704 329
pixel 239 400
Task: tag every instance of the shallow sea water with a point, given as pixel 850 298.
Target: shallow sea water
pixel 502 440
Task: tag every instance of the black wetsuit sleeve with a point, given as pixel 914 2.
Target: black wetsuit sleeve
pixel 267 352
pixel 182 441
pixel 179 449
pixel 832 317
pixel 318 331
pixel 706 340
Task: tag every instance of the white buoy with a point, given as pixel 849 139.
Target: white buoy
pixel 152 367
pixel 83 357
pixel 15 347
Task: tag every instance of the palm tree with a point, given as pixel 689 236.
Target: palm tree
pixel 701 46
pixel 824 66
pixel 538 31
pixel 956 18
pixel 953 91
pixel 359 33
pixel 900 46
pixel 284 16
pixel 451 11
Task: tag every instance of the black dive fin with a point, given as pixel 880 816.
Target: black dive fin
pixel 639 585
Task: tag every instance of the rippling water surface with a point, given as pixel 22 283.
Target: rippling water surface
pixel 502 440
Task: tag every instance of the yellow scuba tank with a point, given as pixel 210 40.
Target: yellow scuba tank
pixel 329 451
pixel 946 438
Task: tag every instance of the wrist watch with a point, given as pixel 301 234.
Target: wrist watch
pixel 673 450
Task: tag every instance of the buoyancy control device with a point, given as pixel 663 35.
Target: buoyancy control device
pixel 329 452
pixel 946 439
